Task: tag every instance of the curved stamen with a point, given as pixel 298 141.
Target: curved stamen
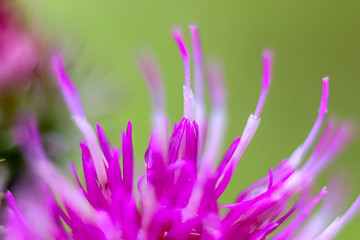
pixel 178 37
pixel 341 138
pixel 331 231
pixel 329 210
pixel 67 87
pixel 217 117
pixel 188 95
pixel 199 85
pixel 152 76
pixel 73 100
pixel 300 218
pixel 321 146
pixel 198 68
pixel 322 112
pixel 299 153
pixel 251 125
pixel 266 80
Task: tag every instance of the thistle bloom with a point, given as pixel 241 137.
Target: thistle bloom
pixel 179 192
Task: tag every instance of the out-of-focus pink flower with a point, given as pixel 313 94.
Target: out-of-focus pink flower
pixel 19 53
pixel 180 191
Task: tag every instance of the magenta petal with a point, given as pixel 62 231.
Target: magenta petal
pixel 105 146
pixel 94 194
pixel 68 89
pixel 128 158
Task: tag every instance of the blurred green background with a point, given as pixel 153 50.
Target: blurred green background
pixel 310 39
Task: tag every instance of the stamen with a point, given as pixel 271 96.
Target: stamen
pixel 266 80
pixel 215 135
pixel 351 211
pixel 73 100
pixel 178 37
pixel 215 78
pixel 251 125
pixel 322 111
pixel 67 87
pixel 321 146
pixel 298 155
pixel 249 132
pixel 152 76
pixel 199 86
pixel 331 231
pixel 217 117
pixel 196 43
pixel 328 211
pixel 198 65
pixel 300 218
pixel 335 146
pixel 188 95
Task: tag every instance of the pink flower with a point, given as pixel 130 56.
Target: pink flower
pixel 180 191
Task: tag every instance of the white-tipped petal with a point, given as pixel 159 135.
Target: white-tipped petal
pixel 299 153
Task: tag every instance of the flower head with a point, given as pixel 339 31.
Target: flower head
pixel 179 192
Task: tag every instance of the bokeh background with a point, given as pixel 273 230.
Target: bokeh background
pixel 310 39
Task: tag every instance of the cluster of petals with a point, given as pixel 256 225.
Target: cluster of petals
pixel 179 194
